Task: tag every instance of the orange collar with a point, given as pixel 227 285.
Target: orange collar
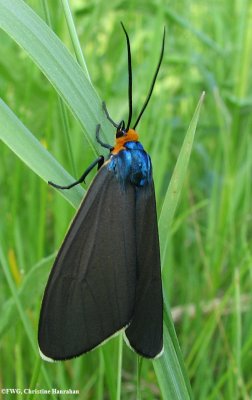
pixel 131 136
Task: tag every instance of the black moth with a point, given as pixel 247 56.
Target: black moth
pixel 106 277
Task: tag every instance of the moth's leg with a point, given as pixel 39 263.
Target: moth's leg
pixel 99 161
pixel 107 146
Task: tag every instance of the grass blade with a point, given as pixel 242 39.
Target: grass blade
pixel 176 183
pixel 23 317
pixel 27 291
pixel 170 370
pixel 53 59
pixel 74 37
pixel 21 141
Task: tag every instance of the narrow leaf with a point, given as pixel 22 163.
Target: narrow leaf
pixel 170 369
pixel 54 60
pixel 21 141
pixel 176 183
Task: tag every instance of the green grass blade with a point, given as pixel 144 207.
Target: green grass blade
pixel 74 37
pixel 119 367
pixel 176 183
pixel 62 106
pixel 23 317
pixel 170 369
pixel 21 141
pixel 169 372
pixel 53 59
pixel 27 293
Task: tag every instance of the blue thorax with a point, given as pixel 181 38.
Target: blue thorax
pixel 131 165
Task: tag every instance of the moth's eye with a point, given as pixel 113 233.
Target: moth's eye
pixel 120 133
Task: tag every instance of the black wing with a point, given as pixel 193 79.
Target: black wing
pixel 90 293
pixel 145 332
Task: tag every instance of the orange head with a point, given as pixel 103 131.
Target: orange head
pixel 123 137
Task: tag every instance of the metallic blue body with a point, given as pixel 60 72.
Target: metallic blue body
pixel 132 165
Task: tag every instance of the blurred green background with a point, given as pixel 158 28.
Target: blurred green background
pixel 208 269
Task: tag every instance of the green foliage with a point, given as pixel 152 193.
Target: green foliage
pixel 205 244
